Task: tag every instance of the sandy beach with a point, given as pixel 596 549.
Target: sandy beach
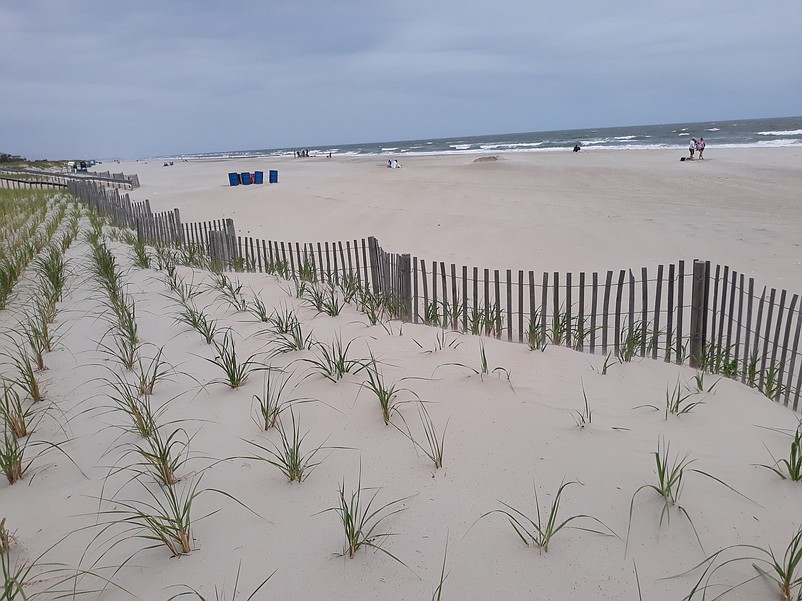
pixel 559 211
pixel 508 435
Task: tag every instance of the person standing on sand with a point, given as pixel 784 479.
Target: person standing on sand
pixel 701 147
pixel 692 147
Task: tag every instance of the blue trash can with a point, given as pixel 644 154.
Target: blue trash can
pixel 259 177
pixel 273 176
pixel 233 179
pixel 246 178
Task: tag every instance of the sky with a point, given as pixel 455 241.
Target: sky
pixel 98 79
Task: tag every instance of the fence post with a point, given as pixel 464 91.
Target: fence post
pixel 405 285
pixel 373 251
pixel 698 309
pixel 232 248
pixel 179 231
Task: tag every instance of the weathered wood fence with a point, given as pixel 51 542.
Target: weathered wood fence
pixel 13 183
pixel 32 178
pixel 217 239
pixel 116 179
pixel 709 316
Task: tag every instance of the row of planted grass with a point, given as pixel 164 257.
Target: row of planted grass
pixel 353 505
pixel 332 362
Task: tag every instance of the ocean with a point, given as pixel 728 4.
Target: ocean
pixel 742 133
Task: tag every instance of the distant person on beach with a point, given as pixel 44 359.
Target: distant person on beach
pixel 692 147
pixel 396 164
pixel 577 148
pixel 389 164
pixel 701 147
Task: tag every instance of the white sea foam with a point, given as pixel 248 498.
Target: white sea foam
pixel 713 129
pixel 460 146
pixel 389 149
pixel 625 137
pixel 792 132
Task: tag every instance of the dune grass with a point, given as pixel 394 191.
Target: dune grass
pixel 289 456
pixel 236 370
pixel 583 417
pixel 385 393
pixel 149 372
pixel 434 448
pixel 362 518
pixel 789 468
pixel 272 402
pixel 13 412
pixel 671 473
pixel 219 593
pixel 198 320
pixel 26 378
pixel 164 455
pixel 785 572
pixel 544 526
pixel 332 361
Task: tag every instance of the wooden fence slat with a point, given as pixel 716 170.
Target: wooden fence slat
pixel 530 329
pixel 777 332
pixel 509 305
pixel 594 294
pixel 455 302
pixel 497 312
pixel 724 282
pixel 464 298
pixel 365 281
pixel 670 338
pixel 656 321
pixel 444 283
pixel 631 312
pixel 582 330
pixel 476 303
pixel 365 259
pixel 784 355
pixel 489 308
pixel 435 304
pixel 756 345
pixel 644 309
pixel 606 314
pixel 520 305
pixel 618 295
pixel 415 308
pixel 557 310
pixel 731 314
pixel 425 292
pixel 680 353
pixel 568 312
pixel 766 335
pixel 544 297
pixel 748 331
pixel 795 348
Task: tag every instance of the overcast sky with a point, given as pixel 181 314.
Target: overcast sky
pixel 92 79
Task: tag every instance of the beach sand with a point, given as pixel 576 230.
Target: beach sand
pixel 504 439
pixel 553 211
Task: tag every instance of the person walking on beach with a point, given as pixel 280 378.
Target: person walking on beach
pixel 701 147
pixel 692 147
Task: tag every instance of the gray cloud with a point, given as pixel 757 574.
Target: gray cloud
pixel 88 78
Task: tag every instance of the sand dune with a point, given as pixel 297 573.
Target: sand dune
pixel 504 437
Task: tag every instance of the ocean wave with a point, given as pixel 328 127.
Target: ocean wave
pixel 625 137
pixel 713 129
pixel 460 146
pixel 510 145
pixel 792 132
pixel 389 149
